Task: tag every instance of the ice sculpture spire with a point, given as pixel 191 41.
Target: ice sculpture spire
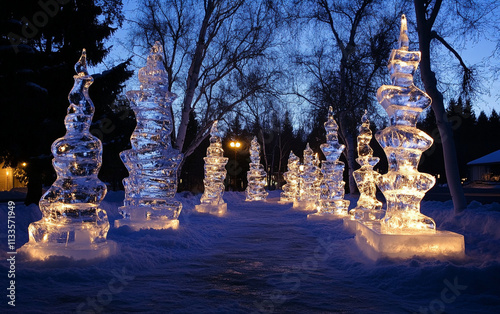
pixel 152 162
pixel 331 203
pixel 368 207
pixel 215 173
pixel 291 188
pixel 256 176
pixel 309 181
pixel 72 223
pixel 403 186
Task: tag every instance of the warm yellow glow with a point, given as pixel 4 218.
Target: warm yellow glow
pixel 235 144
pixel 24 164
pixel 301 168
pixel 7 173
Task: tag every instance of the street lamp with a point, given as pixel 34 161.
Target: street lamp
pixel 235 145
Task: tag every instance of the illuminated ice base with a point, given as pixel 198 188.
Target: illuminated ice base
pixel 217 210
pixel 439 244
pixel 350 224
pixel 304 205
pixel 138 219
pixel 80 249
pixel 325 216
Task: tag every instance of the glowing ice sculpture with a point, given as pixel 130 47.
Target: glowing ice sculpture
pixel 72 223
pixel 215 173
pixel 404 231
pixel 152 162
pixel 291 188
pixel 331 203
pixel 256 176
pixel 309 181
pixel 368 207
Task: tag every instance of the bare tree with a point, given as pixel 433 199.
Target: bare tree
pixel 468 17
pixel 360 32
pixel 211 50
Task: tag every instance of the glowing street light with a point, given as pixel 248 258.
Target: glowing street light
pixel 235 145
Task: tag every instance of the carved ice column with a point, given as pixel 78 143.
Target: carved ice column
pixel 215 173
pixel 72 223
pixel 291 188
pixel 404 232
pixel 331 203
pixel 152 162
pixel 309 181
pixel 368 207
pixel 256 176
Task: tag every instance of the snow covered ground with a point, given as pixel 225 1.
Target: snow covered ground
pixel 260 258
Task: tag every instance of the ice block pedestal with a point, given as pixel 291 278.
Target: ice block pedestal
pixel 215 173
pixel 375 243
pixel 152 162
pixel 73 225
pixel 404 231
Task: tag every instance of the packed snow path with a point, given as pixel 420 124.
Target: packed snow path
pixel 260 257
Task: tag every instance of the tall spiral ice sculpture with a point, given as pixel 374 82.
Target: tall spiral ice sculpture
pixel 152 162
pixel 404 232
pixel 72 223
pixel 215 173
pixel 404 186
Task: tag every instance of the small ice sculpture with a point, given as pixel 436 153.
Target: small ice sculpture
pixel 309 181
pixel 368 207
pixel 256 176
pixel 215 173
pixel 331 203
pixel 291 188
pixel 403 186
pixel 72 223
pixel 152 162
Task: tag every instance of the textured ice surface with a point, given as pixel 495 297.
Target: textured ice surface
pixel 368 207
pixel 403 186
pixel 215 173
pixel 331 203
pixel 256 176
pixel 152 162
pixel 73 224
pixel 291 188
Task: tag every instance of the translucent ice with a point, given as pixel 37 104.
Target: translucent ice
pixel 309 181
pixel 331 200
pixel 256 176
pixel 152 162
pixel 291 188
pixel 368 207
pixel 215 173
pixel 72 223
pixel 403 186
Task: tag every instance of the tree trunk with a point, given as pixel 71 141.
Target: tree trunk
pixel 34 183
pixel 429 79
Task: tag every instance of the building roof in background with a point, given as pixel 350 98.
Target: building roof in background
pixel 492 158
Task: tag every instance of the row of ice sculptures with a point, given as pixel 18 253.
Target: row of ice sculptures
pixel 74 225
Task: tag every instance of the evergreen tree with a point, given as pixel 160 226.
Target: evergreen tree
pixel 39 44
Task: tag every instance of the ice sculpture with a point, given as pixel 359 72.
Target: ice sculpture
pixel 309 181
pixel 331 203
pixel 215 173
pixel 256 176
pixel 368 207
pixel 404 231
pixel 152 162
pixel 291 188
pixel 72 223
